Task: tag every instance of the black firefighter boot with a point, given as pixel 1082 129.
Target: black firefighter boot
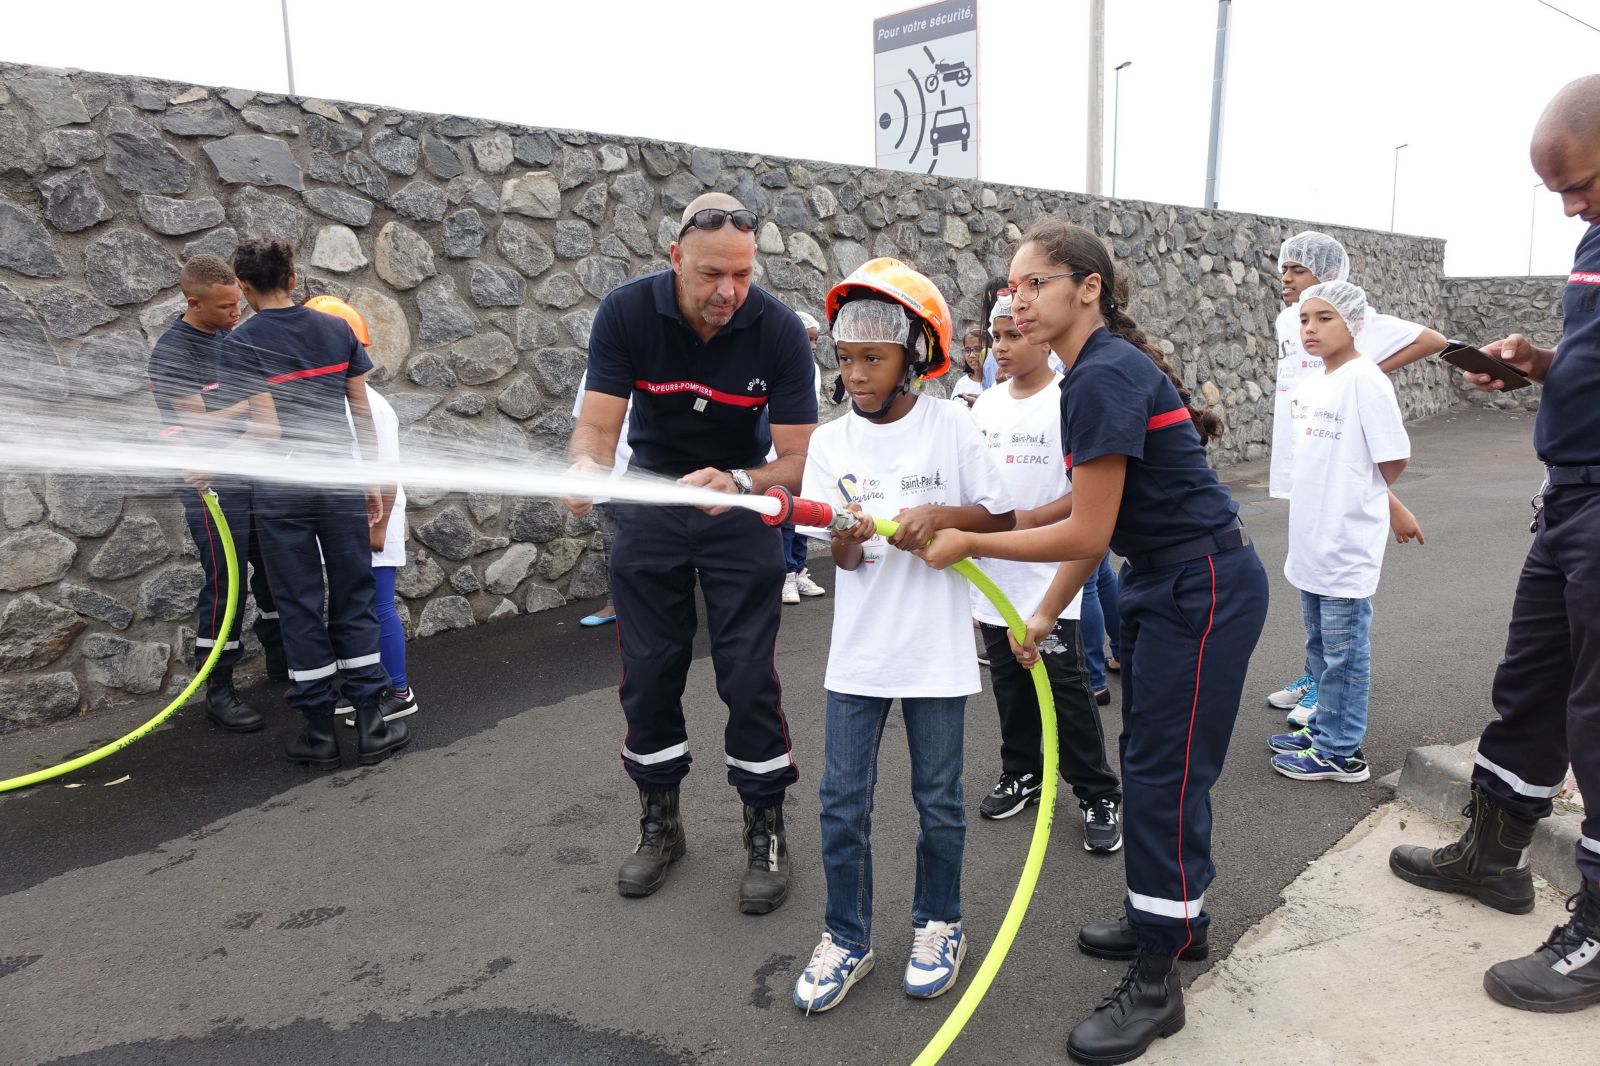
pixel 1488 863
pixel 1114 939
pixel 661 843
pixel 316 746
pixel 376 739
pixel 1147 1004
pixel 1564 974
pixel 226 709
pixel 765 884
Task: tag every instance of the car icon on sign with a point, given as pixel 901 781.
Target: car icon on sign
pixel 950 125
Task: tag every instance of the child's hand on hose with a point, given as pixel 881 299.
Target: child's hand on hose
pixel 864 529
pixel 917 527
pixel 948 547
pixel 1027 654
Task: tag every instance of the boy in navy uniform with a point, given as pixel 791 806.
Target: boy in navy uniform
pixel 1547 686
pixel 300 367
pixel 703 353
pixel 196 391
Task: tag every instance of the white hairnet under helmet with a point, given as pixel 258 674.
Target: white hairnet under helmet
pixel 868 320
pixel 1002 309
pixel 1318 253
pixel 1347 299
pixel 807 321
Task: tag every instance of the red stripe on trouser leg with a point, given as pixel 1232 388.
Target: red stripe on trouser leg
pixel 1194 707
pixel 211 543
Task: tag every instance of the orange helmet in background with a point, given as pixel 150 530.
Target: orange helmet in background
pixel 927 313
pixel 332 305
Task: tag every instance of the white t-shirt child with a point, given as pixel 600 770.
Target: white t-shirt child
pixel 1024 441
pixel 900 628
pixel 387 423
pixel 965 386
pixel 1344 424
pixel 1380 337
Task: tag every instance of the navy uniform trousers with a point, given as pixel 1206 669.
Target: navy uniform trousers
pixel 292 521
pixel 1188 631
pixel 237 501
pixel 1547 687
pixel 658 554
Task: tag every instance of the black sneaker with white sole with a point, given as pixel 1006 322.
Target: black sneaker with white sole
pixel 1010 795
pixel 1102 825
pixel 393 704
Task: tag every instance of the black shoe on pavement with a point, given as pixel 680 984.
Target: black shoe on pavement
pixel 765 883
pixel 1102 826
pixel 316 745
pixel 1010 795
pixel 277 664
pixel 1103 697
pixel 1148 1003
pixel 393 705
pixel 1114 939
pixel 227 711
pixel 1488 863
pixel 1564 974
pixel 376 737
pixel 661 843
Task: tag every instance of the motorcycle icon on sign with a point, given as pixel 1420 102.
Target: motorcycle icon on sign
pixel 948 126
pixel 959 72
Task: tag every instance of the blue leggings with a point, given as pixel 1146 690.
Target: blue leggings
pixel 392 643
pixel 1101 619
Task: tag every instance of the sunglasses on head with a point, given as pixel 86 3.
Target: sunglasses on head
pixel 713 218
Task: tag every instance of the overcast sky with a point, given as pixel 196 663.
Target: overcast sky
pixel 1318 93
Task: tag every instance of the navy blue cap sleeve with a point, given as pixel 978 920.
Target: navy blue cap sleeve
pixel 610 368
pixel 1105 411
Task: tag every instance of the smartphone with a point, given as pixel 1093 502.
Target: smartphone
pixel 1477 361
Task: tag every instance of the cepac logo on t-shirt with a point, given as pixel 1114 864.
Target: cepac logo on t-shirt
pixel 1325 424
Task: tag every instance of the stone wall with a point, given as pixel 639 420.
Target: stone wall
pixel 478 251
pixel 1480 310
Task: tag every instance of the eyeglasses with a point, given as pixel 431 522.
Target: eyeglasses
pixel 971 351
pixel 713 218
pixel 1029 289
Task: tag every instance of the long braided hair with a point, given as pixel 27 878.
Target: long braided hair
pixel 1077 249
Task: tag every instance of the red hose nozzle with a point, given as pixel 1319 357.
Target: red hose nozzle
pixel 798 511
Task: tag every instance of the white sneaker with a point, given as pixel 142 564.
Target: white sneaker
pixel 791 588
pixel 829 975
pixel 936 953
pixel 1291 694
pixel 807 586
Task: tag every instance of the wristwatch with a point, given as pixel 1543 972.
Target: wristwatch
pixel 741 481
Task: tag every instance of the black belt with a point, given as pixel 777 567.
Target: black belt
pixel 1571 475
pixel 1235 536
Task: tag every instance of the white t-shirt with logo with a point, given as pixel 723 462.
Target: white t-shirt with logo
pixel 901 628
pixel 1024 440
pixel 965 386
pixel 1381 337
pixel 1344 424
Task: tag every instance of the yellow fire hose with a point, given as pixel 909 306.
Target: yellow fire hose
pixel 210 499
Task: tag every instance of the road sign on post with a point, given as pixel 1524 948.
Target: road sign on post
pixel 925 96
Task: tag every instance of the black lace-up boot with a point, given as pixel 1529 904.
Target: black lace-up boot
pixel 1114 939
pixel 1489 862
pixel 661 843
pixel 224 707
pixel 1146 1004
pixel 316 745
pixel 765 884
pixel 1564 974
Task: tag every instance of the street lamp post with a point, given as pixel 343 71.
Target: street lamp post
pixel 1394 188
pixel 288 56
pixel 1533 217
pixel 1116 119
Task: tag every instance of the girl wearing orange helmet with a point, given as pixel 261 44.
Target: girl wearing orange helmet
pixel 924 463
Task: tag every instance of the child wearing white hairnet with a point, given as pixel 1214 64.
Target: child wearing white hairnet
pixel 1350 444
pixel 901 630
pixel 1304 260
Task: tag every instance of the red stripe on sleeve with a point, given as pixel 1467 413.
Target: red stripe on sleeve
pixel 314 372
pixel 1167 418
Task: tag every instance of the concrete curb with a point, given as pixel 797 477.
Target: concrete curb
pixel 1437 779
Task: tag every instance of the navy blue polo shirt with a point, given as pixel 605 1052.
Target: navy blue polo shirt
pixel 698 404
pixel 1116 401
pixel 186 361
pixel 302 358
pixel 1566 431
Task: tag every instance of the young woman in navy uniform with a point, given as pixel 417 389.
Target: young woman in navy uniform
pixel 1193 603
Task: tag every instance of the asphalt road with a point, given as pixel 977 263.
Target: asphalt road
pixel 457 903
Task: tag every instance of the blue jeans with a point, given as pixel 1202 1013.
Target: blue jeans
pixel 1339 656
pixel 794 550
pixel 1100 620
pixel 850 774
